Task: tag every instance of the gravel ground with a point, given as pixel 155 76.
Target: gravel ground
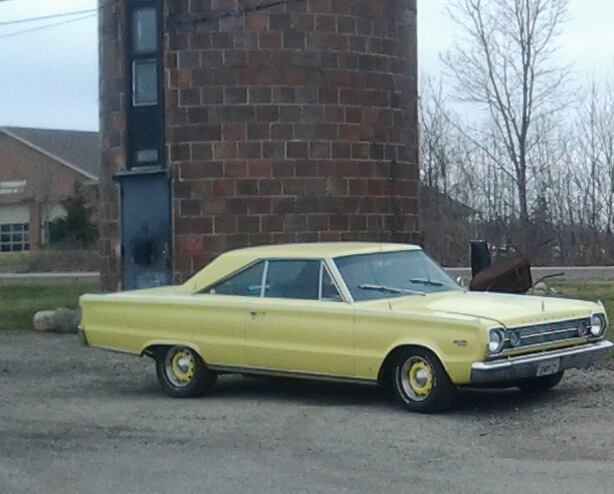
pixel 79 420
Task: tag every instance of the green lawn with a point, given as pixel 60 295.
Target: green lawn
pixel 20 301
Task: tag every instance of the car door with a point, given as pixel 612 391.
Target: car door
pixel 301 324
pixel 221 316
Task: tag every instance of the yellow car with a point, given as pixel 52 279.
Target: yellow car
pixel 355 312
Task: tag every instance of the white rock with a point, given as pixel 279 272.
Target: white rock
pixel 44 320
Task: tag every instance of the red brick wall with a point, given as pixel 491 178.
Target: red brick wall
pixel 287 124
pixel 112 83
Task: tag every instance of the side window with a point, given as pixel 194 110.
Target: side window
pixel 247 283
pixel 293 279
pixel 329 290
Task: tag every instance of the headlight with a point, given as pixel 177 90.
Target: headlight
pixel 598 325
pixel 496 340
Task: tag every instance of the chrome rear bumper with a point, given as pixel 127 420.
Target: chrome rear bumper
pixel 511 369
pixel 82 337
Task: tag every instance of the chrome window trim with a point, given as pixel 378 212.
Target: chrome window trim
pixel 265 273
pixel 323 268
pixel 339 281
pixel 320 279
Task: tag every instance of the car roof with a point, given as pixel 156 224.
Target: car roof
pixel 234 260
pixel 320 250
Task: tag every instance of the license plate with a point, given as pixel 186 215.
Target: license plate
pixel 549 367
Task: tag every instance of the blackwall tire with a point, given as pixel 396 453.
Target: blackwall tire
pixel 420 382
pixel 182 373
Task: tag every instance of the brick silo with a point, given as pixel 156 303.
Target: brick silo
pixel 253 122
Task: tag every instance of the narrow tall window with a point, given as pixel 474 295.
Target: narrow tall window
pixel 145 128
pixel 145 31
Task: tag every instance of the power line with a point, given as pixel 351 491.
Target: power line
pixel 46 26
pixel 52 16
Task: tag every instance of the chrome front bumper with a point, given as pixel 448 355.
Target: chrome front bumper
pixel 511 369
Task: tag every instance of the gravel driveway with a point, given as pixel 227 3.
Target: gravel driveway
pixel 81 420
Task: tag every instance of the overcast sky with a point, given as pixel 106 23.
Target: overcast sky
pixel 49 78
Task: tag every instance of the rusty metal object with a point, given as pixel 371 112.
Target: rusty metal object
pixel 480 256
pixel 511 275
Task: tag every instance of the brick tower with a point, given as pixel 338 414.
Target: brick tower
pixel 267 121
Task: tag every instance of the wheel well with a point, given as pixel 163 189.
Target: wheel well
pixel 158 349
pixel 154 351
pixel 383 378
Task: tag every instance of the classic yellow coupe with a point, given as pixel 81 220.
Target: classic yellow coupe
pixel 358 312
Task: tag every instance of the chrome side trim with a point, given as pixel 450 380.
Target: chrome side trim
pixel 116 350
pixel 291 374
pixel 524 366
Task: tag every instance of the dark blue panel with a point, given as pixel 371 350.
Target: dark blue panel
pixel 146 226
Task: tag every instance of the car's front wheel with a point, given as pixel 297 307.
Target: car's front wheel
pixel 182 373
pixel 540 384
pixel 421 383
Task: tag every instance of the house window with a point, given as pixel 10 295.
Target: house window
pixel 145 115
pixel 14 237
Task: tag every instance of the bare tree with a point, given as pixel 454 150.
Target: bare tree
pixel 595 144
pixel 507 64
pixel 439 139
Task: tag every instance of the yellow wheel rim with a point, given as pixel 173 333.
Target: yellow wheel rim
pixel 180 367
pixel 416 378
pixel 421 378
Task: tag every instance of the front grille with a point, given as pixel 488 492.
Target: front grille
pixel 547 333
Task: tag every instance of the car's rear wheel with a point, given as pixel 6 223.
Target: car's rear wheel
pixel 182 373
pixel 421 383
pixel 540 384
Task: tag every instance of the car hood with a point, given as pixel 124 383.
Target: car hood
pixel 505 309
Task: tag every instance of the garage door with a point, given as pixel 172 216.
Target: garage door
pixel 14 228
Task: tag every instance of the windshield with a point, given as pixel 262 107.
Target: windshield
pixel 393 274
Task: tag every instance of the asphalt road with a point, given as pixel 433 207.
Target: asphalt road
pixel 572 273
pixel 76 420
